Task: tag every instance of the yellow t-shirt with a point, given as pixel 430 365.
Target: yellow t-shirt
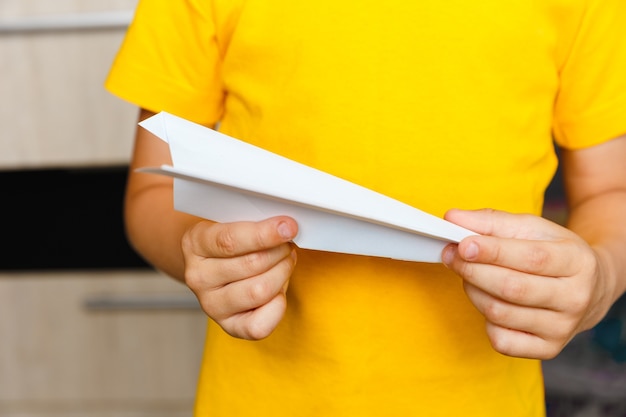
pixel 437 104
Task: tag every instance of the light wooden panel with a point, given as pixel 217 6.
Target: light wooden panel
pixel 54 108
pixel 57 356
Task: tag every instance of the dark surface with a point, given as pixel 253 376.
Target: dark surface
pixel 64 219
pixel 588 379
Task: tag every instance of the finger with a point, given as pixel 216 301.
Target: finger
pixel 258 323
pixel 502 224
pixel 538 257
pixel 521 331
pixel 520 344
pixel 226 240
pixel 248 294
pixel 545 323
pixel 227 270
pixel 510 285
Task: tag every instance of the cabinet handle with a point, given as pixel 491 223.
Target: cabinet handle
pixel 73 21
pixel 141 302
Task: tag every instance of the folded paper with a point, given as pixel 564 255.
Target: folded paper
pixel 227 180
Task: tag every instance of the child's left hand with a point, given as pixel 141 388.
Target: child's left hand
pixel 537 284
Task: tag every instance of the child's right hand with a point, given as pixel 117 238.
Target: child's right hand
pixel 240 272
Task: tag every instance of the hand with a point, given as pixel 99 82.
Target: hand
pixel 240 272
pixel 537 283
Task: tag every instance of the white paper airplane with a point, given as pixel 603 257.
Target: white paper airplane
pixel 227 180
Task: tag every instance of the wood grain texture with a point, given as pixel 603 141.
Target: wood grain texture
pixel 54 110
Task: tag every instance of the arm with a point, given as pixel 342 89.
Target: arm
pixel 595 181
pixel 539 284
pixel 153 227
pixel 238 271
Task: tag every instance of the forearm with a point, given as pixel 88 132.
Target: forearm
pixel 155 229
pixel 595 181
pixel 601 221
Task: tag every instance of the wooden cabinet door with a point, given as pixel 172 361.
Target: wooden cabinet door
pixel 98 344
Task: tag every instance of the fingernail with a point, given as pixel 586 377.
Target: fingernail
pixel 447 255
pixel 471 251
pixel 284 231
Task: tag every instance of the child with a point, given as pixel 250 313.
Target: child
pixel 436 104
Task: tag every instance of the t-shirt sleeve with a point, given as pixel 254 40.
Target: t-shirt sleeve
pixel 591 105
pixel 170 61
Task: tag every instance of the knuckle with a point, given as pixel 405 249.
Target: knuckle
pixel 513 343
pixel 193 240
pixel 195 275
pixel 495 312
pixel 495 255
pixel 186 244
pixel 513 289
pixel 467 270
pixel 253 261
pixel 192 278
pixel 259 292
pixel 260 237
pixel 538 258
pixel 256 330
pixel 500 345
pixel 550 351
pixel 209 310
pixel 490 226
pixel 234 326
pixel 210 307
pixel 500 342
pixel 561 332
pixel 225 241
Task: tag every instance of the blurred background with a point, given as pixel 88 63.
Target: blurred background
pixel 86 327
pixel 588 379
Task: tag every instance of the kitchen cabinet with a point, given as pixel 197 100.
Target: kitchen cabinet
pixel 55 111
pixel 80 340
pixel 98 344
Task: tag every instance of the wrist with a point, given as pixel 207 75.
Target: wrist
pixel 610 283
